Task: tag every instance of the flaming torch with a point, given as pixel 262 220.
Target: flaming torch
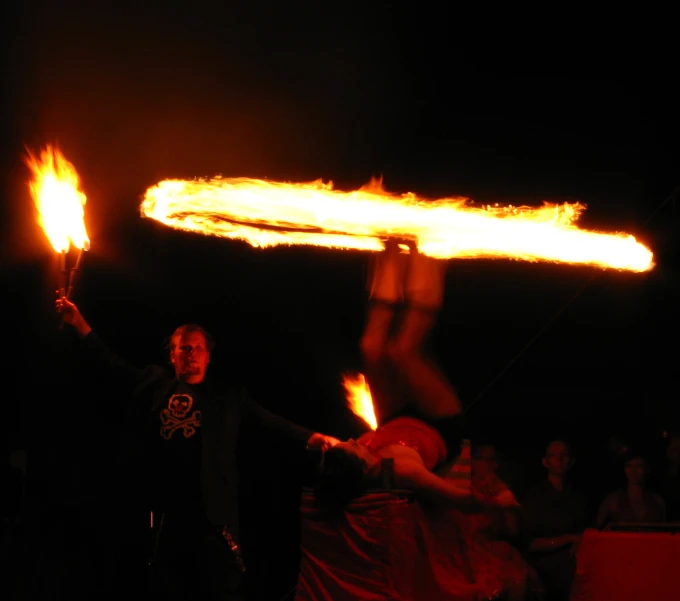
pixel 55 189
pixel 266 213
pixel 359 398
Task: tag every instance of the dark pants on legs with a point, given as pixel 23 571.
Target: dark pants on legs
pixel 193 561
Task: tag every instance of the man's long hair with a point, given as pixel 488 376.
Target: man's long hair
pixel 340 479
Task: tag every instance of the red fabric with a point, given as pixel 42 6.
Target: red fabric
pixel 382 547
pixel 410 432
pixel 494 565
pixel 627 566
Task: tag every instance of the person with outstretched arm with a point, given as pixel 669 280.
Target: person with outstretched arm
pixel 191 426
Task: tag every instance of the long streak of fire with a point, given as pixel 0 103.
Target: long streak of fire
pixel 265 213
pixel 359 398
pixel 60 203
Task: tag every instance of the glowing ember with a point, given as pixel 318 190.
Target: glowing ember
pixel 58 199
pixel 359 398
pixel 267 213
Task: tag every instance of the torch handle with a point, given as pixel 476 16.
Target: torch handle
pixel 72 276
pixel 68 280
pixel 71 281
pixel 64 274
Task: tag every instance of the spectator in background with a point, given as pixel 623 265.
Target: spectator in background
pixel 554 520
pixel 635 502
pixel 489 532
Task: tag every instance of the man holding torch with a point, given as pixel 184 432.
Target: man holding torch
pixel 190 435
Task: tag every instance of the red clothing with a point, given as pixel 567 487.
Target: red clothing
pixel 409 432
pixel 380 548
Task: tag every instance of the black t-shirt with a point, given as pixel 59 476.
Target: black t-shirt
pixel 550 512
pixel 174 441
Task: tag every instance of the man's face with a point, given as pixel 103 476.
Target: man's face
pixel 636 471
pixel 190 357
pixel 558 459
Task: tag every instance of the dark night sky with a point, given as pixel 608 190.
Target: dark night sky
pixel 135 95
pixel 434 103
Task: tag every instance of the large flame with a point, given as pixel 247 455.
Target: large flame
pixel 268 213
pixel 359 398
pixel 55 189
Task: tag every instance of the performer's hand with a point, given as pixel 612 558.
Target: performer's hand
pixel 321 442
pixel 71 315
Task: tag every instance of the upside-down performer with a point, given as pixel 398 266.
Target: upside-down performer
pixel 417 410
pixel 360 541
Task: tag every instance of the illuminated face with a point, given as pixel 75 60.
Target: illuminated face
pixel 558 459
pixel 636 471
pixel 369 461
pixel 190 357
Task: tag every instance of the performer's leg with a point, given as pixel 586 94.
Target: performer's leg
pixel 386 278
pixel 424 281
pixel 388 397
pixel 433 394
pixel 386 292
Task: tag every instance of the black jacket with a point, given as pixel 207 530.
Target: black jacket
pixel 221 417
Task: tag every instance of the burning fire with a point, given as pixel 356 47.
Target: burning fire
pixel 55 189
pixel 359 398
pixel 267 213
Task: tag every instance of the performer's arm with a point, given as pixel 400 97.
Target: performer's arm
pixel 257 415
pixel 94 347
pixel 412 475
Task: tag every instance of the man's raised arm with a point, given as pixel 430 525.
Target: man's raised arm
pixel 94 347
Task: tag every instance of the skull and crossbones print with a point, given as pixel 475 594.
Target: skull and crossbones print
pixel 176 417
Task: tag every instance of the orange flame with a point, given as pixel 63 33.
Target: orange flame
pixel 359 398
pixel 55 189
pixel 267 213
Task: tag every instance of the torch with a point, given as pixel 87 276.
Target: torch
pixel 74 272
pixel 59 202
pixel 266 213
